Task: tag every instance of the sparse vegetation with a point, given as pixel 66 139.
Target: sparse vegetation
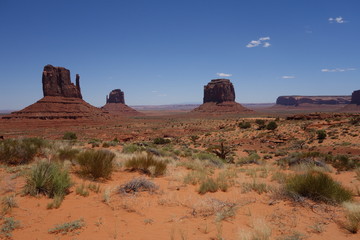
pixel 352 211
pixel 8 225
pixel 20 151
pixel 208 185
pixel 68 227
pixel 147 164
pixel 160 140
pixel 271 126
pixel 317 186
pixel 244 125
pixel 96 163
pixel 70 136
pixel 138 185
pixel 49 179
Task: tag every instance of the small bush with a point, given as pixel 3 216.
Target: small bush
pixel 208 185
pixel 20 151
pixel 96 163
pixel 318 187
pixel 8 225
pixel 321 134
pixel 132 148
pixel 271 126
pixel 82 191
pixel 252 158
pixel 254 186
pixel 161 140
pixel 48 178
pixel 352 211
pixel 138 185
pixel 109 144
pixel 8 202
pixel 67 227
pixel 69 136
pixel 147 164
pixel 245 125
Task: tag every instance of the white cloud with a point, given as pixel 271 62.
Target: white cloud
pixel 338 69
pixel 260 41
pixel 224 74
pixel 337 20
pixel 288 77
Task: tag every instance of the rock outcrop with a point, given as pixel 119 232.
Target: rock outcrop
pixel 219 98
pixel 115 104
pixel 317 100
pixel 219 90
pixel 62 99
pixel 56 83
pixel 355 97
pixel 115 96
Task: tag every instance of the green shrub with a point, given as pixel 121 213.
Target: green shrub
pixel 321 134
pixel 161 140
pixel 208 185
pixel 68 227
pixel 317 186
pixel 109 144
pixel 8 225
pixel 244 125
pixel 96 163
pixel 138 185
pixel 69 136
pixel 146 164
pixel 252 158
pixel 48 178
pixel 271 125
pixel 20 151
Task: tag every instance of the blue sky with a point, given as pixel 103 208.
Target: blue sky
pixel 165 51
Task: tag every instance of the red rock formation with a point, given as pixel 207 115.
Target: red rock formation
pixel 115 96
pixel 355 97
pixel 62 99
pixel 219 90
pixel 115 104
pixel 298 100
pixel 219 98
pixel 56 83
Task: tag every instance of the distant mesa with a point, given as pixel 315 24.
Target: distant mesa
pixel 62 99
pixel 316 100
pixel 115 104
pixel 355 97
pixel 219 97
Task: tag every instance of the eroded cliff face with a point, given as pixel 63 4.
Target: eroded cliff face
pixel 297 100
pixel 57 83
pixel 115 96
pixel 355 97
pixel 218 91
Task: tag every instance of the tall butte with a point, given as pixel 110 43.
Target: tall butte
pixel 115 104
pixel 219 98
pixel 62 99
pixel 354 105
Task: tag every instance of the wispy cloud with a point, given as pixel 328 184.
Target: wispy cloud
pixel 337 20
pixel 288 77
pixel 261 41
pixel 224 74
pixel 338 69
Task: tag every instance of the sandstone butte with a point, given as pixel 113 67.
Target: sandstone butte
pixel 219 98
pixel 115 104
pixel 62 99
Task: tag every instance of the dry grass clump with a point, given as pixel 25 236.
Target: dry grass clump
pixel 147 164
pixel 261 231
pixel 20 151
pixel 8 202
pixel 318 187
pixel 50 179
pixel 138 185
pixel 67 227
pixel 67 153
pixel 352 211
pixel 96 163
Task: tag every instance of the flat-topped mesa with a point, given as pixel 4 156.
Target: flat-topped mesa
pixel 355 97
pixel 297 100
pixel 57 83
pixel 219 90
pixel 116 96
